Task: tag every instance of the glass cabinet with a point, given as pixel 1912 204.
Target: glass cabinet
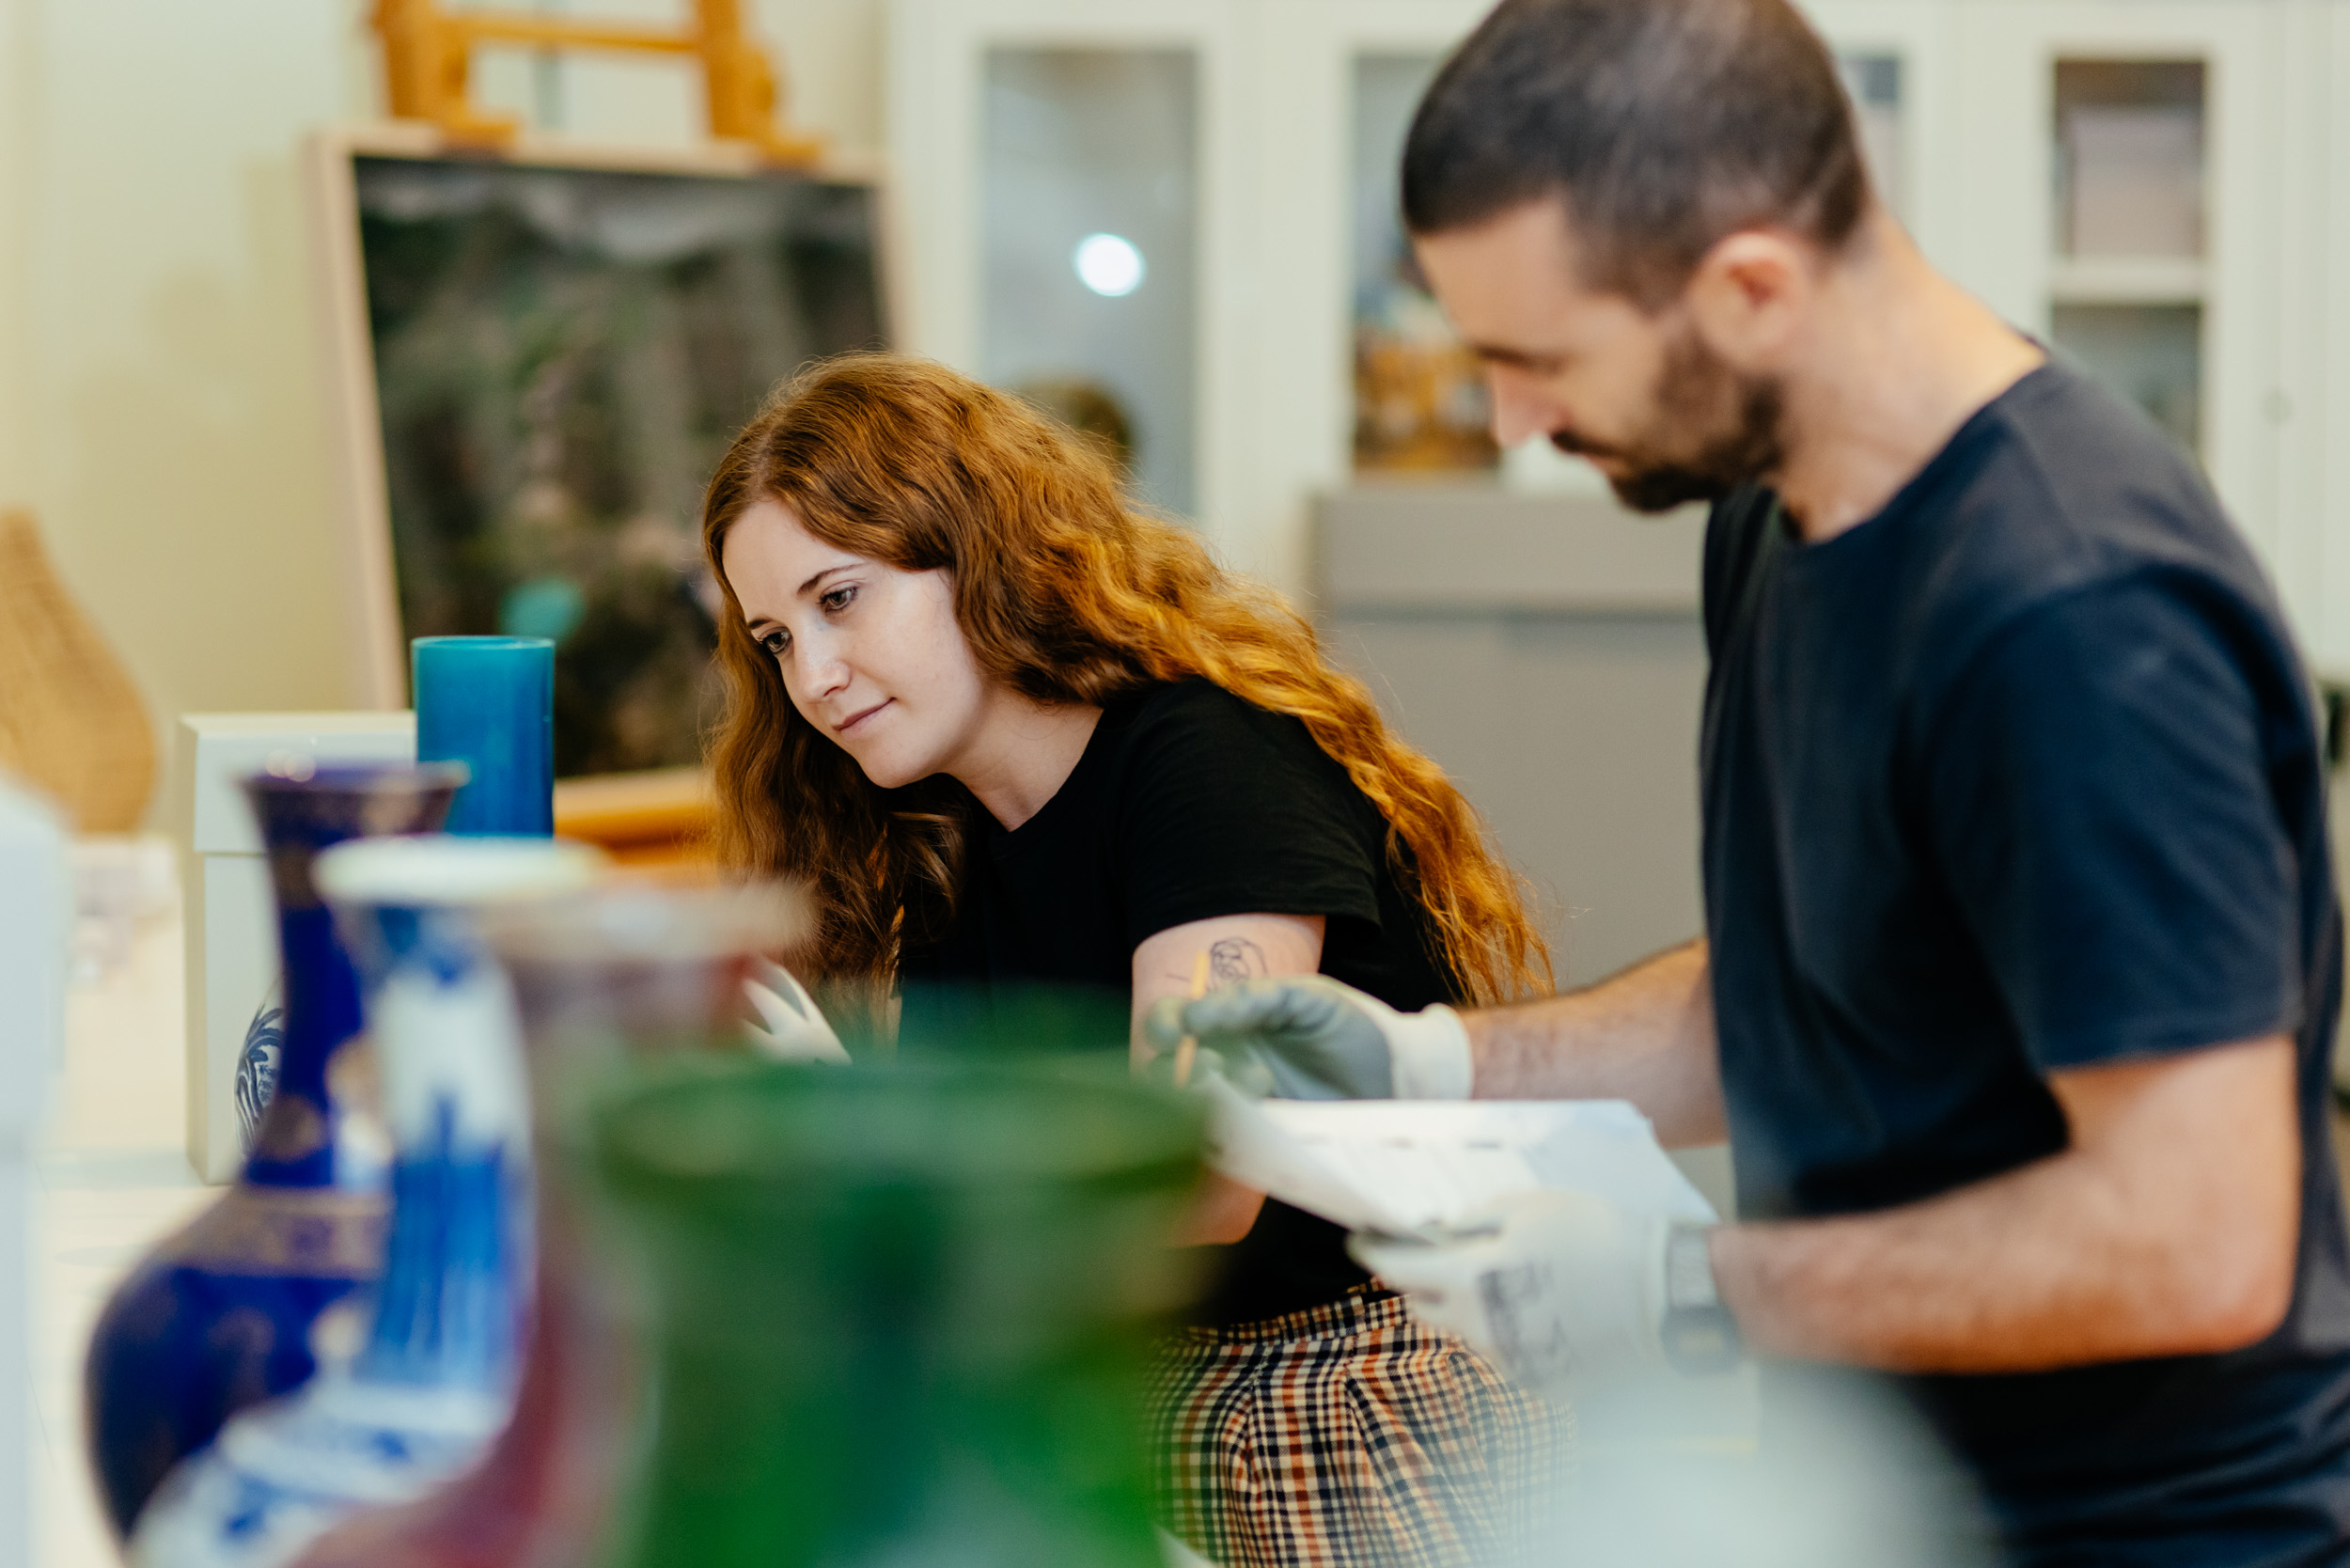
pixel 2127 278
pixel 2152 186
pixel 1874 78
pixel 1089 222
pixel 1419 395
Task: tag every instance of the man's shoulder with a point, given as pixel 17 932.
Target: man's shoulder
pixel 2065 485
pixel 2056 489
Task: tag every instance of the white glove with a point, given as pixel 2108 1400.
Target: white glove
pixel 796 1030
pixel 1568 1288
pixel 1320 1039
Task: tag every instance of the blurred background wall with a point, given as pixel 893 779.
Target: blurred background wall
pixel 158 372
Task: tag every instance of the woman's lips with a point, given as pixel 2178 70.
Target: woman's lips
pixel 854 720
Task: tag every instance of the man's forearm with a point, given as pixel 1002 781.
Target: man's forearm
pixel 2169 1229
pixel 1645 1035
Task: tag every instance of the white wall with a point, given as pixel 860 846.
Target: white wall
pixel 158 378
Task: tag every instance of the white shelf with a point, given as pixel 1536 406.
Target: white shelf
pixel 2129 280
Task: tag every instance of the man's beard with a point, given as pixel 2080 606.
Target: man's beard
pixel 1741 419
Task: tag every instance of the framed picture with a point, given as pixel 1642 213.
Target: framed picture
pixel 536 359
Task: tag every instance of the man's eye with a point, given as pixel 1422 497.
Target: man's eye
pixel 837 599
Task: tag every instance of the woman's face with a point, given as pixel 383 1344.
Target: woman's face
pixel 871 654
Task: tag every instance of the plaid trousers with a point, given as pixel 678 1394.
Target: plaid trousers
pixel 1349 1436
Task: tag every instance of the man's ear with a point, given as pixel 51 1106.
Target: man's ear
pixel 1751 295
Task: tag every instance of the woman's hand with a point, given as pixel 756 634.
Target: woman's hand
pixel 789 1027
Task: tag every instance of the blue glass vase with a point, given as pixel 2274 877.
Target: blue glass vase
pixel 435 1381
pixel 221 1315
pixel 627 972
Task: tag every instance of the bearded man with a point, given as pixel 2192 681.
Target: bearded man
pixel 2022 954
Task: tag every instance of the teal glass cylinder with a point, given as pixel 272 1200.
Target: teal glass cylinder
pixel 488 703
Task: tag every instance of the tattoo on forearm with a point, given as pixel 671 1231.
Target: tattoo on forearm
pixel 1234 959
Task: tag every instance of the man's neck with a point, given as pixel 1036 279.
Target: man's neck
pixel 1902 358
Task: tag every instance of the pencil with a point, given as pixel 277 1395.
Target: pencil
pixel 1188 1048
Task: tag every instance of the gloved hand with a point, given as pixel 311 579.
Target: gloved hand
pixel 1248 1078
pixel 796 1029
pixel 1319 1040
pixel 1567 1289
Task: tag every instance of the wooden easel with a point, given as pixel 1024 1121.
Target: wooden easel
pixel 427 62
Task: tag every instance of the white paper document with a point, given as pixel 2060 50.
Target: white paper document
pixel 1413 1167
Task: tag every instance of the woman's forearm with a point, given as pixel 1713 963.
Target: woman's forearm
pixel 1223 1213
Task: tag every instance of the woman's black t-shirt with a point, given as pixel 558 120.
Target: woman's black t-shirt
pixel 1191 804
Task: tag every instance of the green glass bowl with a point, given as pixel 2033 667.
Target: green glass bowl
pixel 899 1313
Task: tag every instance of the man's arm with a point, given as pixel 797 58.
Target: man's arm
pixel 2169 1227
pixel 1644 1034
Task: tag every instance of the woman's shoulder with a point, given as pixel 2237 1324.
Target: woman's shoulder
pixel 1195 735
pixel 1225 807
pixel 1198 712
pixel 1194 700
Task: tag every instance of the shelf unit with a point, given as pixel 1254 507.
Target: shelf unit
pixel 2128 280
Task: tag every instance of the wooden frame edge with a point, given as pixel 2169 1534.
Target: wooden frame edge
pixel 347 351
pixel 355 427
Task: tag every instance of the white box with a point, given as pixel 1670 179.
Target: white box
pixel 2137 181
pixel 232 979
pixel 36 936
pixel 35 924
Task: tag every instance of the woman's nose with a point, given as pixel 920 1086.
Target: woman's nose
pixel 824 669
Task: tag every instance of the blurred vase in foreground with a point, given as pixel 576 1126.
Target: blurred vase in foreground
pixel 622 973
pixel 435 1381
pixel 220 1315
pixel 899 1313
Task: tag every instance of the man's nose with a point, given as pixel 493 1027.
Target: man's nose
pixel 1520 412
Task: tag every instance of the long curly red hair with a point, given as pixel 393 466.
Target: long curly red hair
pixel 1065 595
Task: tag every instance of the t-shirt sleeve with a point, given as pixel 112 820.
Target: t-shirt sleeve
pixel 2103 809
pixel 1231 811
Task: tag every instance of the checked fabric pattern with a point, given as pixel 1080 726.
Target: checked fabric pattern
pixel 1350 1435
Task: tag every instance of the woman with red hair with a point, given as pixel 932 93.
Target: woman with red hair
pixel 1010 731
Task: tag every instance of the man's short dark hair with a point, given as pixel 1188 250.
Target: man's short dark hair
pixel 1663 125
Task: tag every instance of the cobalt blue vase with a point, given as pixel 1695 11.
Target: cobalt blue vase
pixel 221 1315
pixel 434 1382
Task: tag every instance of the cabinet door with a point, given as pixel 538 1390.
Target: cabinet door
pixel 2312 407
pixel 2117 192
pixel 1067 218
pixel 1897 59
pixel 1320 203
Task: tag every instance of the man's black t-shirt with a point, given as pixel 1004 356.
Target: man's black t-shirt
pixel 2020 775
pixel 1187 805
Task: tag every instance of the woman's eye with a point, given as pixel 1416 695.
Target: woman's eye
pixel 777 643
pixel 837 599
